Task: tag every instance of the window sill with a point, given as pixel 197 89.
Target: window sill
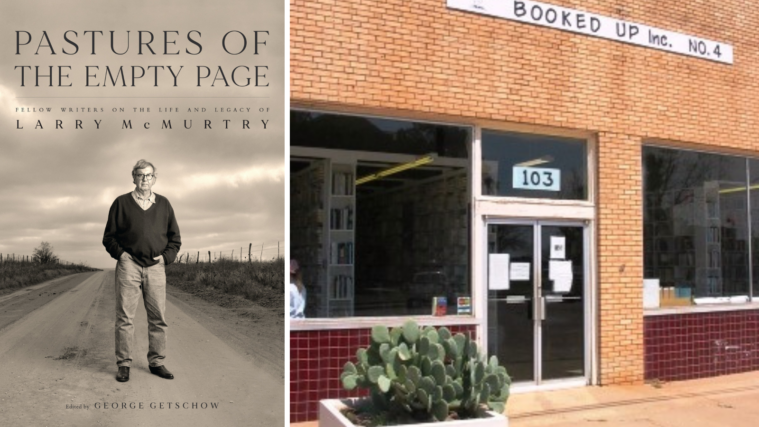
pixel 707 308
pixel 534 200
pixel 369 322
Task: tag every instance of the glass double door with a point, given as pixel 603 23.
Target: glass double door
pixel 536 279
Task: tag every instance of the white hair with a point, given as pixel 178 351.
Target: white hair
pixel 142 164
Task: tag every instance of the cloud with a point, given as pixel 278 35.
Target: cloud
pixel 226 185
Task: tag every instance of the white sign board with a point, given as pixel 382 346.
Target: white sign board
pixel 498 272
pixel 579 21
pixel 536 178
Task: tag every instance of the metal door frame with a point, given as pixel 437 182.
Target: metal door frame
pixel 537 224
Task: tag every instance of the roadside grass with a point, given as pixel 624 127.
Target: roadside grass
pixel 259 281
pixel 19 274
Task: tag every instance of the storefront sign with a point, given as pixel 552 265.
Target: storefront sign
pixel 528 178
pixel 578 21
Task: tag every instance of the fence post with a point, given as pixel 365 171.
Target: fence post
pixel 262 252
pixel 209 256
pixel 250 246
pixel 198 260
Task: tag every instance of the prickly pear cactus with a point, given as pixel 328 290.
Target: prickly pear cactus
pixel 427 373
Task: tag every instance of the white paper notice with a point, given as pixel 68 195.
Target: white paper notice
pixel 561 274
pixel 520 271
pixel 650 293
pixel 558 243
pixel 498 272
pixel 562 285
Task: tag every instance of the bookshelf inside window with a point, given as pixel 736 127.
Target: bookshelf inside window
pixel 341 241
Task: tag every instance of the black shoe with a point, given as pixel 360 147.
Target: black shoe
pixel 162 372
pixel 123 375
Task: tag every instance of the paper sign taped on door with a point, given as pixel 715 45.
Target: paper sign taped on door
pixel 498 272
pixel 561 274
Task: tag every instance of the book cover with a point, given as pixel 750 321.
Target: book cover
pixel 439 306
pixel 463 305
pixel 88 88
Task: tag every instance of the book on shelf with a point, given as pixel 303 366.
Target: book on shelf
pixel 341 219
pixel 464 305
pixel 341 253
pixel 342 184
pixel 342 287
pixel 439 306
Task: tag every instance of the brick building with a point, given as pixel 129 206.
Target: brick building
pixel 536 164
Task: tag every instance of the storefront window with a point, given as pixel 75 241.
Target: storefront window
pixel 754 215
pixel 535 166
pixel 695 221
pixel 379 215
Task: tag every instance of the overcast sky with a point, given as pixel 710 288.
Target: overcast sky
pixel 226 185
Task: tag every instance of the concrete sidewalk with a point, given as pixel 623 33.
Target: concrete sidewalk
pixel 731 400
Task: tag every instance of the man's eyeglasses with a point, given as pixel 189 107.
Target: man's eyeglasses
pixel 140 176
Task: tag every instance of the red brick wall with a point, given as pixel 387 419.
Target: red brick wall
pixel 419 58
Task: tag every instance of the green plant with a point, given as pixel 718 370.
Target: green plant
pixel 256 281
pixel 19 274
pixel 427 373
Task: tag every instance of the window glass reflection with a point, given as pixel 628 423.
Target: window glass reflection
pixel 534 166
pixel 379 215
pixel 695 225
pixel 754 176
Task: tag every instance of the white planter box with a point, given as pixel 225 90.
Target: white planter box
pixel 330 416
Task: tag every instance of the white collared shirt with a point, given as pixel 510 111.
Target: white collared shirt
pixel 297 302
pixel 145 204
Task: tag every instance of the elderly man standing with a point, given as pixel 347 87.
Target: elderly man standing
pixel 143 235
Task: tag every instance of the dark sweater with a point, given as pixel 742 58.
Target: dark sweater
pixel 143 234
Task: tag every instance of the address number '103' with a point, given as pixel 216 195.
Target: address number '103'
pixel 537 178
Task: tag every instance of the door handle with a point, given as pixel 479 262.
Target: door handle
pixel 542 308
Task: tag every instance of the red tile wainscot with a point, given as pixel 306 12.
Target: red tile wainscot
pixel 697 345
pixel 316 362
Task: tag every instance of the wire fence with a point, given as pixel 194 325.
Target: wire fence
pixel 267 251
pixel 15 258
pixel 21 258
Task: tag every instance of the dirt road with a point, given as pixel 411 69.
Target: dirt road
pixel 57 366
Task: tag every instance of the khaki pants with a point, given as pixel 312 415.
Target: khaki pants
pixel 133 280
